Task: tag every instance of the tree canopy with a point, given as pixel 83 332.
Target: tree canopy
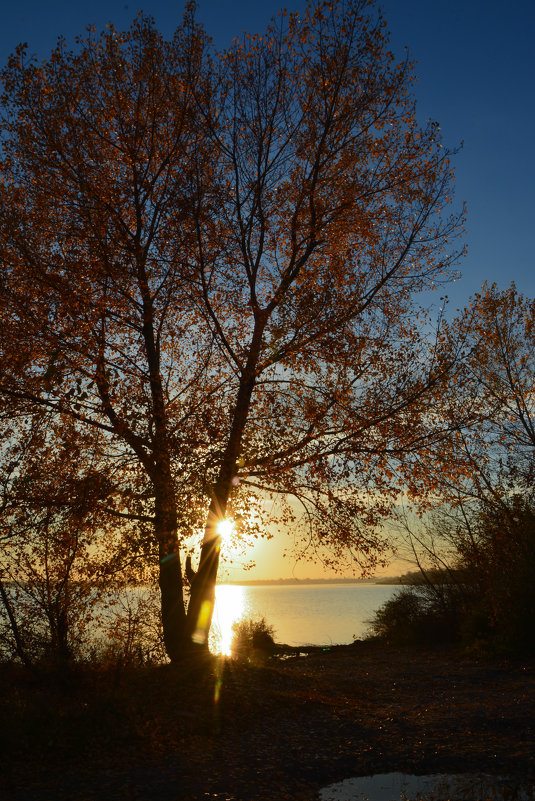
pixel 212 259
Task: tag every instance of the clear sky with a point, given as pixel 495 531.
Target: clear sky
pixel 476 77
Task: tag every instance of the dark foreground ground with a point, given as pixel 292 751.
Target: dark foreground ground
pixel 278 732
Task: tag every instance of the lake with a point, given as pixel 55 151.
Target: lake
pixel 311 614
pixel 314 614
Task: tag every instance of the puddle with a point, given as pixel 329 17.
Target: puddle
pixel 284 657
pixel 439 787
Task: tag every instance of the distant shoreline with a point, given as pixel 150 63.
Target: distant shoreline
pixel 306 582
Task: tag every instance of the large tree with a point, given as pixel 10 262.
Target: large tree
pixel 212 258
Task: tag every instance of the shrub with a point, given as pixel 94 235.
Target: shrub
pixel 486 599
pixel 253 641
pixel 132 635
pixel 419 615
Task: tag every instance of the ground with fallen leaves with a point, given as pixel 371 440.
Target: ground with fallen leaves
pixel 282 731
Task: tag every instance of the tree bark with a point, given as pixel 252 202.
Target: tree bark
pixel 170 573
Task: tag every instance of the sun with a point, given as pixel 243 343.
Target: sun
pixel 225 529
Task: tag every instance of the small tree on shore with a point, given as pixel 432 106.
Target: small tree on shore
pixel 57 563
pixel 480 536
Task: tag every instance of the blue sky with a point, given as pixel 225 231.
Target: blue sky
pixel 476 70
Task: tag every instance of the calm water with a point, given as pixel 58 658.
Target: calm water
pixel 315 614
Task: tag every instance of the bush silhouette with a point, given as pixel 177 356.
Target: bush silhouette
pixel 253 641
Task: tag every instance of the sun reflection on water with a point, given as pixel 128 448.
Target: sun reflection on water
pixel 229 609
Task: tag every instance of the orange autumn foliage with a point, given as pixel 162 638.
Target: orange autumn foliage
pixel 212 259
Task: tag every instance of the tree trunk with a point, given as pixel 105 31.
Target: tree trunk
pixel 170 574
pixel 202 600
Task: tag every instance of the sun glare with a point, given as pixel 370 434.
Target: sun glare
pixel 225 529
pixel 229 609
